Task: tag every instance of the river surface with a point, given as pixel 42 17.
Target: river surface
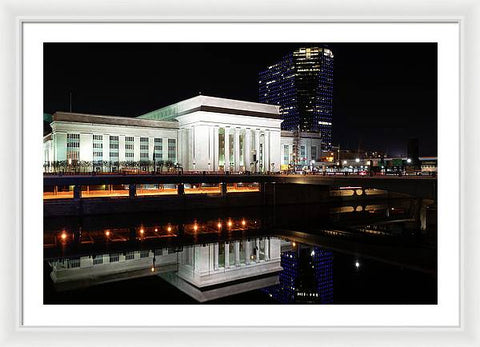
pixel 371 252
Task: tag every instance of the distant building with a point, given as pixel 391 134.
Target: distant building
pixel 199 134
pixel 301 83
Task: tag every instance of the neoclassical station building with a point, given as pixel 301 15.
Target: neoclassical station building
pixel 202 133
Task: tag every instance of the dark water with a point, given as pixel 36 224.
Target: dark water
pixel 304 254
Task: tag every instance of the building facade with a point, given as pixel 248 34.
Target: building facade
pixel 199 134
pixel 301 83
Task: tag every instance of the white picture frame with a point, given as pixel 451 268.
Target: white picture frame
pixel 15 14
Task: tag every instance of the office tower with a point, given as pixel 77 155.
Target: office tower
pixel 301 83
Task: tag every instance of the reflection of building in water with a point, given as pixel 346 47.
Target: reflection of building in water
pixel 213 271
pixel 307 276
pixel 90 270
pixel 204 271
pixel 207 265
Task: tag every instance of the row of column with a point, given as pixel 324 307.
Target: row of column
pixel 251 149
pixel 236 249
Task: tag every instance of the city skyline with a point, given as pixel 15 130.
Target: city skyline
pixel 371 81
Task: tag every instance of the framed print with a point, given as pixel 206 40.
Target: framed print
pixel 279 178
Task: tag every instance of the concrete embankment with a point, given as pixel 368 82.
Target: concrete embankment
pixel 272 194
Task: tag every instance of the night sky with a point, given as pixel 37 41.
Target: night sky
pixel 384 93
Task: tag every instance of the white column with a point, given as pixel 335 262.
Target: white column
pixel 247 149
pixel 236 149
pixel 227 255
pixel 215 149
pixel 150 148
pixel 136 148
pixel 257 147
pixel 266 150
pixel 257 250
pixel 86 147
pixel 227 150
pixel 211 148
pixel 106 147
pixel 194 149
pixel 180 148
pixel 121 148
pixel 247 252
pixel 215 257
pixel 236 248
pixel 267 249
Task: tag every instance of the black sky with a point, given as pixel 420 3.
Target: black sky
pixel 384 93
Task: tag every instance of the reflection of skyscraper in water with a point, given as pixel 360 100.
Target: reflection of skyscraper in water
pixel 307 276
pixel 323 263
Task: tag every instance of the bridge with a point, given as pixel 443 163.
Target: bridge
pixel 416 186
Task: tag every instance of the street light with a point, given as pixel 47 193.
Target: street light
pixel 357 160
pixel 409 160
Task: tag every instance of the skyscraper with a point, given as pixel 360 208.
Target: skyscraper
pixel 301 83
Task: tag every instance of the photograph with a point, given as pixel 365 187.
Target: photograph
pixel 240 173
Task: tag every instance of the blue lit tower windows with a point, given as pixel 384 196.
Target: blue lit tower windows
pixel 301 83
pixel 307 277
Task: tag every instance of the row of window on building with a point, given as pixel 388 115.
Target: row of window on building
pixel 303 160
pixel 73 148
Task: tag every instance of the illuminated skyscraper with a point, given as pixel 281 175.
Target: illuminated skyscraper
pixel 301 83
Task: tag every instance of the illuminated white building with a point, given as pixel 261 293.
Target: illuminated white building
pixel 201 134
